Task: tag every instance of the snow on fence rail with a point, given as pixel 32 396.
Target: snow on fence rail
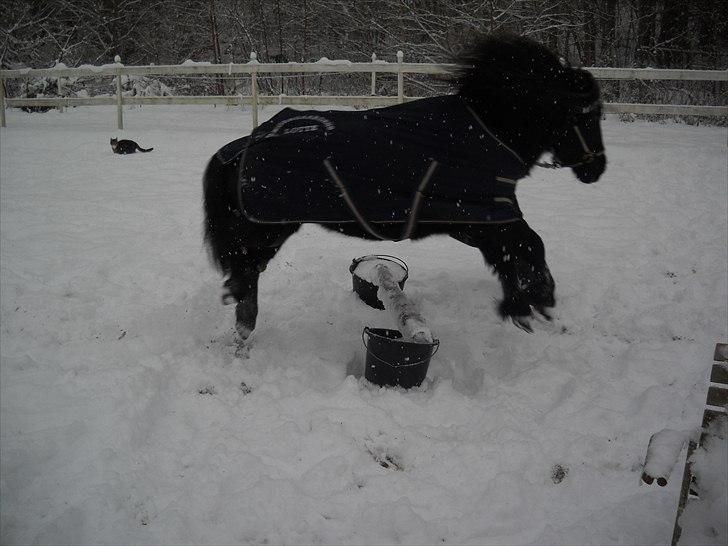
pixel 254 68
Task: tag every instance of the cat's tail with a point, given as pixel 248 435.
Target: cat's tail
pixel 143 150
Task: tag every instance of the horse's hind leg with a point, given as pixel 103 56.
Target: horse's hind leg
pixel 241 287
pixel 517 255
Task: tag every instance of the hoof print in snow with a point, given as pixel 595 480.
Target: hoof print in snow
pixel 242 350
pixel 207 389
pixel 385 460
pixel 388 462
pixel 245 388
pixel 558 473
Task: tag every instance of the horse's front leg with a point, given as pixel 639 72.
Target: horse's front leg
pixel 517 255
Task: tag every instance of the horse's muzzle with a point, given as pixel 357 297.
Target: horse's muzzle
pixel 591 171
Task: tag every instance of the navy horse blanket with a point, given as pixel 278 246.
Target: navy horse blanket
pixel 430 160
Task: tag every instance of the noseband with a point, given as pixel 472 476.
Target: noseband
pixel 587 157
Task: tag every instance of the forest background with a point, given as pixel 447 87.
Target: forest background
pixel 612 33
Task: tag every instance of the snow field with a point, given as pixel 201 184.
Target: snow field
pixel 127 417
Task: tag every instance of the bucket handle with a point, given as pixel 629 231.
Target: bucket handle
pixel 399 261
pixel 435 343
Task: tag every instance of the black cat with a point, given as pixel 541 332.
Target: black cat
pixel 126 146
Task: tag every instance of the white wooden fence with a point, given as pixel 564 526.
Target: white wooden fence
pixel 255 100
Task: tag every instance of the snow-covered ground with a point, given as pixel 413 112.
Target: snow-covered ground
pixel 127 417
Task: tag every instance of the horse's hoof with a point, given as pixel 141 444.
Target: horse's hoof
pixel 544 313
pixel 523 323
pixel 514 307
pixel 243 342
pixel 243 332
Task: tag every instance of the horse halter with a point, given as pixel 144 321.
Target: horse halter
pixel 588 156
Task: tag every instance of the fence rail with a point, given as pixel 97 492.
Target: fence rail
pixel 254 69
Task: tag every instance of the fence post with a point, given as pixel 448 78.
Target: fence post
pixel 374 75
pixel 59 84
pixel 2 102
pixel 400 78
pixel 119 100
pixel 254 87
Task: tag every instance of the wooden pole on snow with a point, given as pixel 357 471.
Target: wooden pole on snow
pixel 406 312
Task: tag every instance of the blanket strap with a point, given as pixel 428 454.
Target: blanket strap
pixel 414 212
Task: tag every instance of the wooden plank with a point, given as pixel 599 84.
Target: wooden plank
pixel 224 100
pixel 234 68
pixel 717 396
pixel 721 352
pixel 65 101
pixel 345 66
pixel 676 109
pixel 710 415
pixel 109 70
pixel 359 101
pixel 684 492
pixel 716 401
pixel 657 74
pixel 719 374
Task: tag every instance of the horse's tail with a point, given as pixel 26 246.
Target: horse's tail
pixel 223 227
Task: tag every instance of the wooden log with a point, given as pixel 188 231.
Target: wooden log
pixel 406 312
pixel 663 452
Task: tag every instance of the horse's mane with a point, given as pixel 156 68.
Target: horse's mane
pixel 515 69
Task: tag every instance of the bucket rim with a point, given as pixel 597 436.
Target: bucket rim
pixel 434 347
pixel 386 257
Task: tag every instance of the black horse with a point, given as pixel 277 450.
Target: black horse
pixel 512 93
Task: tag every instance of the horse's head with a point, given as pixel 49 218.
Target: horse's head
pixel 534 101
pixel 577 137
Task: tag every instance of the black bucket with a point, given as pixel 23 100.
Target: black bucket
pixel 394 362
pixel 367 291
